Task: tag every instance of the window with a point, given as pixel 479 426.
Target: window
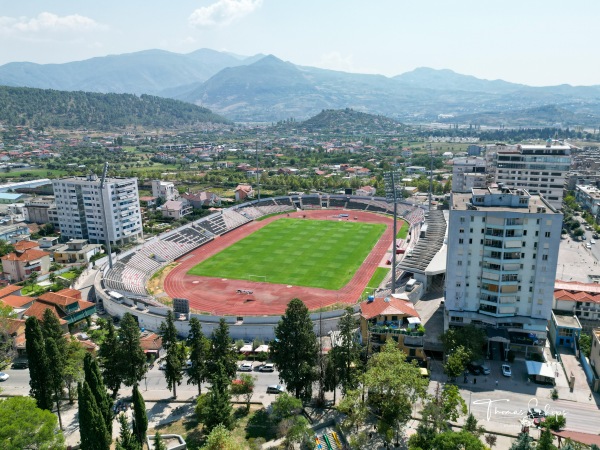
pixel 461 241
pixel 462 220
pixel 462 230
pixel 547 234
pixel 470 241
pixel 459 263
pixel 544 257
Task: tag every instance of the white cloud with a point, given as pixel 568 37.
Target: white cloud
pixel 336 61
pixel 48 22
pixel 223 12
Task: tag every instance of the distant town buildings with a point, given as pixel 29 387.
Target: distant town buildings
pixel 80 205
pixel 502 256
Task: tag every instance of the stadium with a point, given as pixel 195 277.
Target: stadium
pixel 228 265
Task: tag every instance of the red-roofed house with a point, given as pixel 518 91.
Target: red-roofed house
pixel 17 303
pixel 243 191
pixel 581 300
pixel 10 289
pixel 20 264
pixel 384 318
pixel 69 308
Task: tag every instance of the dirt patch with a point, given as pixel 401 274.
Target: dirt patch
pixel 157 282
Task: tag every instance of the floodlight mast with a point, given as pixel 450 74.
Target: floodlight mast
pixel 392 194
pixel 104 223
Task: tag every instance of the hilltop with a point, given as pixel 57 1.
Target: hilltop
pixel 42 108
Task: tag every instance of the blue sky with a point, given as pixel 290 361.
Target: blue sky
pixel 535 42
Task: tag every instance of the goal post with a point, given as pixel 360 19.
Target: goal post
pixel 262 278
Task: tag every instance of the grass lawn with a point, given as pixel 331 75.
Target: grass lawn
pixel 403 233
pixel 300 252
pixel 376 280
pixel 68 275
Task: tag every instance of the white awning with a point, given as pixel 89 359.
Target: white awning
pixel 412 320
pixel 246 348
pixel 262 349
pixel 540 369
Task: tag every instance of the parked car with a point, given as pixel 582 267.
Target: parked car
pixel 592 241
pixel 20 365
pixel 267 368
pixel 588 245
pixel 275 389
pixel 506 371
pixel 536 413
pixel 478 367
pixel 3 376
pixel 245 367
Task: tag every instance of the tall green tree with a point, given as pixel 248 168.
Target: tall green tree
pixel 445 405
pixel 131 359
pixel 73 369
pixel 199 348
pixel 140 418
pixel 25 426
pixel 523 442
pixel 167 331
pixel 7 347
pixel 218 407
pixel 456 362
pixel 55 374
pixel 93 377
pixel 110 360
pixel 38 364
pixel 158 442
pixel 51 328
pixel 346 354
pixel 92 430
pixel 394 385
pixel 471 338
pixel 222 352
pixel 546 441
pixel 295 349
pixel 243 387
pixel 451 440
pixel 126 439
pixel 176 356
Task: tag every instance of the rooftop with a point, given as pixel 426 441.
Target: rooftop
pixel 536 204
pixel 387 306
pixel 566 321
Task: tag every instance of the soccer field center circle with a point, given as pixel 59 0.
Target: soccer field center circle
pixel 256 296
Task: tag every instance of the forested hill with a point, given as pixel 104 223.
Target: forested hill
pixel 347 120
pixel 43 108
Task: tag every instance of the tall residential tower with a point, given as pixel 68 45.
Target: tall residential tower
pixel 79 203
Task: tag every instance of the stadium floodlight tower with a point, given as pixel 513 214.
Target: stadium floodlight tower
pixel 103 213
pixel 393 193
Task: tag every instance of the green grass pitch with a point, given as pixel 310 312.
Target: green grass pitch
pixel 299 252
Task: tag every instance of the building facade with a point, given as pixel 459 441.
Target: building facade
pixel 588 197
pixel 468 173
pixel 165 190
pixel 502 256
pixel 539 169
pixel 80 205
pixel 36 210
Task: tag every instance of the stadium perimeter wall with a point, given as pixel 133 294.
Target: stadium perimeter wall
pixel 262 327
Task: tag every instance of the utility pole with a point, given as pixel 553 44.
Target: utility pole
pixel 430 175
pixel 257 173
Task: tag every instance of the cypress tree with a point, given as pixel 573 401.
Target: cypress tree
pixel 175 361
pixel 51 329
pixel 94 380
pixel 218 406
pixel 55 374
pixel 126 440
pixel 38 364
pixel 198 345
pixel 131 358
pixel 168 331
pixel 92 430
pixel 222 351
pixel 109 360
pixel 140 419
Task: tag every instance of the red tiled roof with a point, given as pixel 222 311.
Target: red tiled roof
pixel 13 325
pixel 7 290
pixel 381 307
pixel 577 286
pixel 57 299
pixel 578 436
pixel 27 255
pixel 151 342
pixel 16 301
pixel 73 293
pixel 21 246
pixel 38 308
pixel 83 305
pixel 576 292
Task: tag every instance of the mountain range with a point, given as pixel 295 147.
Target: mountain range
pixel 263 88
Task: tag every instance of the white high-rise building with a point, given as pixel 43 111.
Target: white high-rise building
pixel 540 169
pixel 502 256
pixel 79 204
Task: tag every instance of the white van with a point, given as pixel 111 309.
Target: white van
pixel 410 285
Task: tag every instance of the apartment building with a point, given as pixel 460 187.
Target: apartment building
pixel 165 190
pixel 502 255
pixel 468 173
pixel 80 205
pixel 539 169
pixel 589 198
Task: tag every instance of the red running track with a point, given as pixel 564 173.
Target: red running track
pixel 218 296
